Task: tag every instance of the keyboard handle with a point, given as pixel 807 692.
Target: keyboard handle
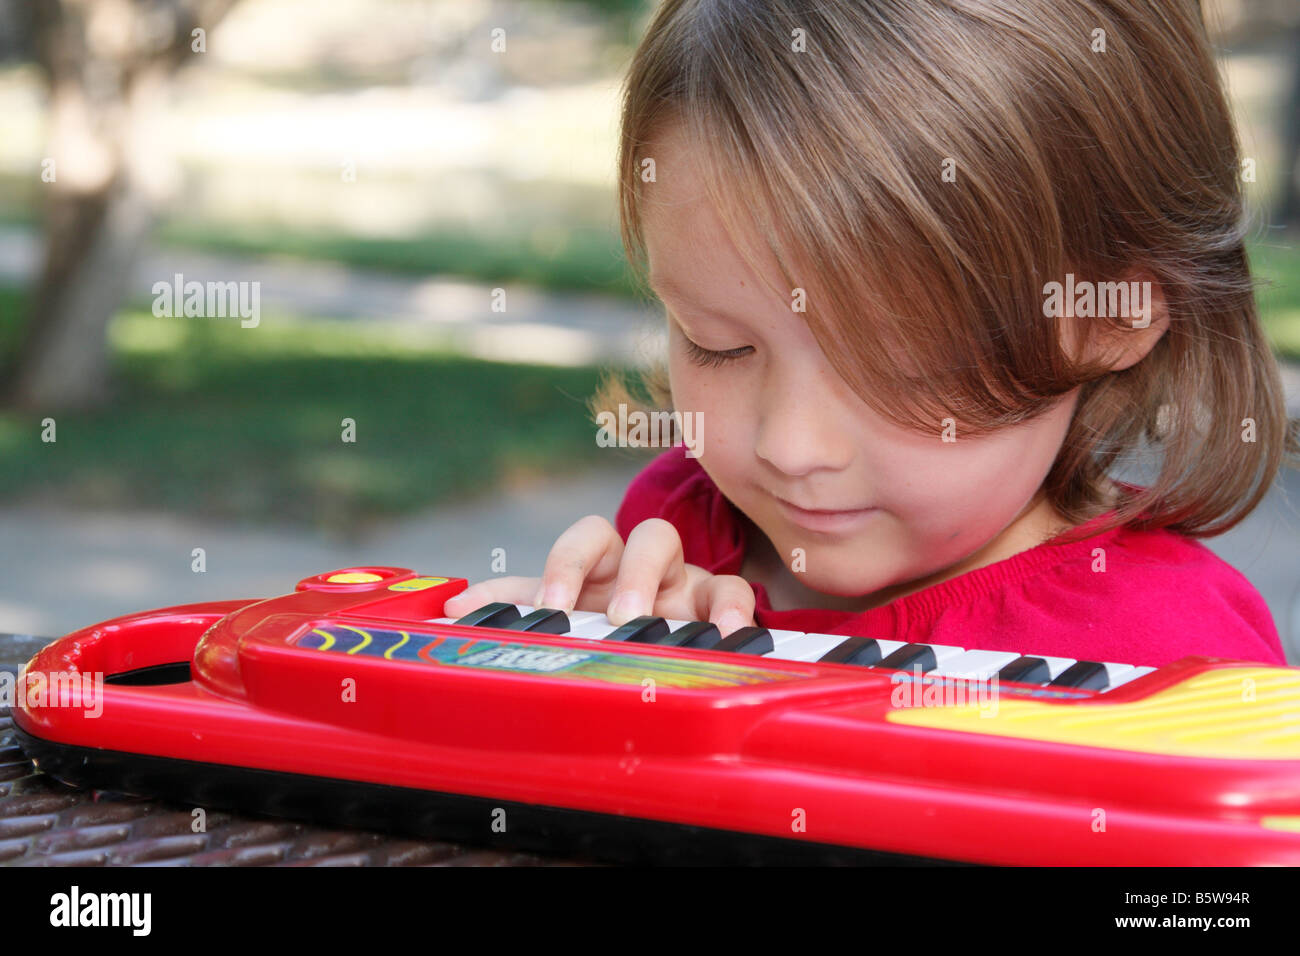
pixel 601 700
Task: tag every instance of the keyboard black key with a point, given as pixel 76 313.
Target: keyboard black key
pixel 748 640
pixel 698 634
pixel 544 620
pixel 911 656
pixel 642 630
pixel 1083 675
pixel 496 614
pixel 853 650
pixel 1026 670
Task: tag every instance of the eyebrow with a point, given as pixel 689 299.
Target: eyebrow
pixel 662 284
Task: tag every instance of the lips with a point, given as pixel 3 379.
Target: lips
pixel 823 520
pixel 821 511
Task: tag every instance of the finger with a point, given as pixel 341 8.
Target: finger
pixel 510 590
pixel 587 553
pixel 689 603
pixel 652 567
pixel 729 602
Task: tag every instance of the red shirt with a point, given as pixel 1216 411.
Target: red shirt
pixel 1161 596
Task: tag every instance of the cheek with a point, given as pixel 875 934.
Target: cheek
pixel 968 488
pixel 717 401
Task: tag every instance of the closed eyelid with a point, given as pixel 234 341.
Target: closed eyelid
pixel 711 358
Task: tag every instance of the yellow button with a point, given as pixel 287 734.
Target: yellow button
pixel 416 584
pixel 1281 823
pixel 354 577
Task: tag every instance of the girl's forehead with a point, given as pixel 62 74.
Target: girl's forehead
pixel 690 238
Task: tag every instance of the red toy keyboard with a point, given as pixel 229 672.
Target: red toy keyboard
pixel 353 701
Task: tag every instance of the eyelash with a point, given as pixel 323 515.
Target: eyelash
pixel 706 358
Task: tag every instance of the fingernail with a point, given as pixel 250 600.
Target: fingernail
pixel 537 598
pixel 731 621
pixel 555 598
pixel 626 606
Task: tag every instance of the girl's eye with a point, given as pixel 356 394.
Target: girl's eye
pixel 706 358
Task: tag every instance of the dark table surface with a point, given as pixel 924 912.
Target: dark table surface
pixel 46 823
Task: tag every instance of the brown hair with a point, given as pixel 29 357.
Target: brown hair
pixel 1067 159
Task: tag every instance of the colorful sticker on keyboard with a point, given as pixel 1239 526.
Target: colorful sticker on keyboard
pixel 497 655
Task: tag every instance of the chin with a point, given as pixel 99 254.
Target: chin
pixel 843 577
pixel 851 588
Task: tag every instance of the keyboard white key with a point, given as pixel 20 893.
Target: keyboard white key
pixel 780 637
pixel 975 665
pixel 943 653
pixel 589 624
pixel 579 618
pixel 1123 673
pixel 1116 670
pixel 811 647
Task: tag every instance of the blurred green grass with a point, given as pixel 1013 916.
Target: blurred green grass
pixel 573 258
pixel 569 258
pixel 1277 264
pixel 240 424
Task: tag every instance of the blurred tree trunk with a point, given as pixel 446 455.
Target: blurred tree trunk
pixel 1288 206
pixel 107 65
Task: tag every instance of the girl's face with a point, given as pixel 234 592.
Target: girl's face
pixel 781 431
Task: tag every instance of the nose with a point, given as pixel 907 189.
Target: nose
pixel 801 427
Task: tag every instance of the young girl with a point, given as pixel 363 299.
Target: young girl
pixel 890 236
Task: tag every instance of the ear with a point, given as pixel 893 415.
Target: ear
pixel 1121 341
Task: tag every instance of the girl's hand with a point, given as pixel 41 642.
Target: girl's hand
pixel 589 569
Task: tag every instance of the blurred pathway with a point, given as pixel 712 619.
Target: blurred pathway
pixel 66 570
pixel 537 326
